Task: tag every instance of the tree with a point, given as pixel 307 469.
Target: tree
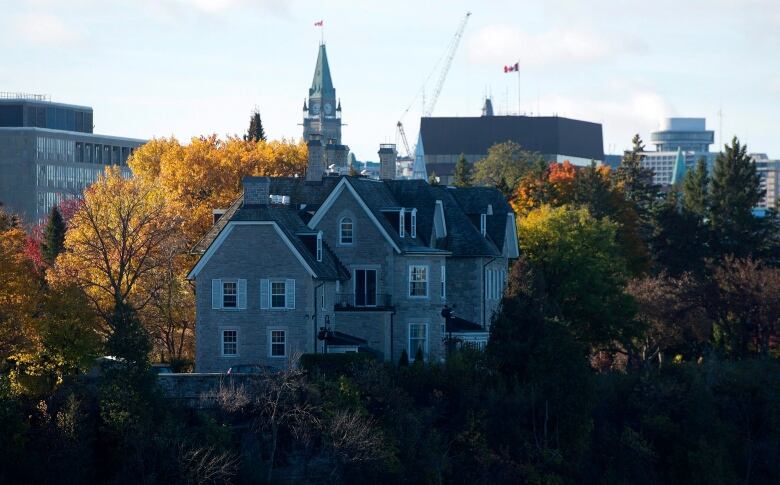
pixel 736 190
pixel 584 273
pixel 19 293
pixel 552 184
pixel 636 182
pixel 53 236
pixel 674 317
pixel 463 173
pixel 695 195
pixel 679 240
pixel 120 236
pixel 207 173
pixel 505 165
pixel 433 179
pixel 255 132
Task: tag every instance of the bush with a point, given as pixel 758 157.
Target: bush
pixel 330 364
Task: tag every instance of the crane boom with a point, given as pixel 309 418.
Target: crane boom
pixel 404 140
pixel 447 63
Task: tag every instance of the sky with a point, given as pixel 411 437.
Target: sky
pixel 183 68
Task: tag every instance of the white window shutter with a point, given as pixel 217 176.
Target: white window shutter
pixel 289 297
pixel 216 294
pixel 242 294
pixel 265 294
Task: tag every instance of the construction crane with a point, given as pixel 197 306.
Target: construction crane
pixel 452 48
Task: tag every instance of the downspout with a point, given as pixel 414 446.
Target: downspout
pixel 315 313
pixel 484 292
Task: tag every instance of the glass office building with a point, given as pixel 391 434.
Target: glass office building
pixel 48 153
pixel 689 135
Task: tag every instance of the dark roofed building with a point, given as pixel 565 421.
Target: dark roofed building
pixel 444 139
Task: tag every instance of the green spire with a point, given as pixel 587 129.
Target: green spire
pixel 322 84
pixel 678 174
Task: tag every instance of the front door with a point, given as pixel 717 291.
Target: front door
pixel 365 287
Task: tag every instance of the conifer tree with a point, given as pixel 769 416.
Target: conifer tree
pixel 463 176
pixel 635 180
pixel 695 189
pixel 256 131
pixel 736 190
pixel 53 236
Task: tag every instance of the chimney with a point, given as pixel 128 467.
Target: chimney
pixel 315 168
pixel 256 190
pixel 387 156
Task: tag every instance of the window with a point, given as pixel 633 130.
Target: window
pixel 418 340
pixel 418 281
pixel 401 222
pixel 229 343
pixel 365 287
pixel 483 223
pixel 278 294
pixel 443 282
pixel 278 343
pixel 319 246
pixel 346 231
pixel 414 222
pixel 229 294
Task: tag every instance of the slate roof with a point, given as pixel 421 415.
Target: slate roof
pixel 543 134
pixel 461 206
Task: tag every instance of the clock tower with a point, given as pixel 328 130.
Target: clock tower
pixel 322 115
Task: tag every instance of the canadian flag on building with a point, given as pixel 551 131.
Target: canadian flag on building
pixel 318 23
pixel 512 67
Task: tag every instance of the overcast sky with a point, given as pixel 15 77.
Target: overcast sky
pixel 190 67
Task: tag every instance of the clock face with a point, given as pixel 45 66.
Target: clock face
pixel 315 108
pixel 328 108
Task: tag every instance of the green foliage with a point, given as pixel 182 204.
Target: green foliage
pixel 433 179
pixel 403 361
pixel 736 190
pixel 584 274
pixel 334 364
pixel 505 165
pixel 635 180
pixel 255 132
pixel 53 236
pixel 696 189
pixel 462 177
pixel 679 238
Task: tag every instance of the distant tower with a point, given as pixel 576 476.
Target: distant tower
pixel 487 108
pixel 419 172
pixel 322 116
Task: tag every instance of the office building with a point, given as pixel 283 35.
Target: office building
pixel 49 153
pixel 689 136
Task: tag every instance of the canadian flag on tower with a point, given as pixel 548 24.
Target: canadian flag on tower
pixel 318 23
pixel 512 67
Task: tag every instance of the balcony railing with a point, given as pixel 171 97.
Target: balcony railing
pixel 350 301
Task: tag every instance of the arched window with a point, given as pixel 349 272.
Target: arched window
pixel 346 231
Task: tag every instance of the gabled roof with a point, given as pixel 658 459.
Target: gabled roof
pixel 475 200
pixel 463 237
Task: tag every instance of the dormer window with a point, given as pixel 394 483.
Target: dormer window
pixel 402 222
pixel 483 224
pixel 414 223
pixel 319 246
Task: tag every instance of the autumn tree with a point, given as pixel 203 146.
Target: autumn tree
pixel 584 274
pixel 207 173
pixel 118 239
pixel 462 177
pixel 505 165
pixel 552 184
pixel 255 132
pixel 19 291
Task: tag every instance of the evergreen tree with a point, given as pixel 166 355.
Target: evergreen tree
pixel 736 190
pixel 695 198
pixel 463 173
pixel 678 242
pixel 635 180
pixel 53 236
pixel 256 131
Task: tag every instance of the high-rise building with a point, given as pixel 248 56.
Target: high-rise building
pixel 688 136
pixel 769 170
pixel 322 118
pixel 48 153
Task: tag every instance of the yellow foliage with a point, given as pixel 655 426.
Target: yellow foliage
pixel 121 234
pixel 207 173
pixel 19 290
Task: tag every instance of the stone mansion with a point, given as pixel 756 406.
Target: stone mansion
pixel 335 263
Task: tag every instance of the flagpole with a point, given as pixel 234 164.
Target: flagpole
pixel 518 89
